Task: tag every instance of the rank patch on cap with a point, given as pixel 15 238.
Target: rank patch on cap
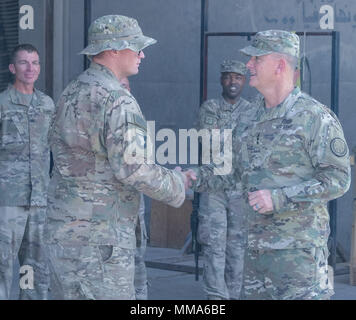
pixel 209 120
pixel 338 147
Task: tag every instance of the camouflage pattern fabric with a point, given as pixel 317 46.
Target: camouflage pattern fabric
pixel 94 194
pixel 222 234
pixel 233 66
pixel 222 223
pixel 280 41
pixel 91 272
pixel 24 177
pixel 116 32
pixel 21 236
pixel 207 180
pixel 291 274
pixel 298 151
pixel 291 150
pixel 24 149
pixel 141 243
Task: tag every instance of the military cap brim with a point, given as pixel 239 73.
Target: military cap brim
pixel 135 43
pixel 254 52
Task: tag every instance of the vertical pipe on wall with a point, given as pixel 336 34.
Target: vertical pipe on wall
pixel 195 204
pixel 203 50
pixel 335 108
pixel 87 21
pixel 49 47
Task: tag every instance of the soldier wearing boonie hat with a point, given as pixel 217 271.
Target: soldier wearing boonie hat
pixel 100 170
pixel 222 227
pixel 115 32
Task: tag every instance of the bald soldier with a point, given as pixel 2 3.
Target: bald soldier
pixel 100 169
pixel 222 227
pixel 292 160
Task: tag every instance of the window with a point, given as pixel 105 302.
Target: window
pixel 9 37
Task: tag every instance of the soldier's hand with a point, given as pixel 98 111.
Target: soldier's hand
pixel 261 201
pixel 189 176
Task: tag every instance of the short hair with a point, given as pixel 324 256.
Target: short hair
pixel 24 46
pixel 292 61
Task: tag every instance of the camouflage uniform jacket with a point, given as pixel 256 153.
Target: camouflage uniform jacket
pixel 94 194
pixel 24 149
pixel 220 114
pixel 298 151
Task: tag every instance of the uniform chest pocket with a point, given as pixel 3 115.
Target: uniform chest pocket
pixel 287 150
pixel 260 147
pixel 11 141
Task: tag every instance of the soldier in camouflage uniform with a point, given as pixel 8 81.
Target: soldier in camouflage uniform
pixel 25 117
pixel 292 160
pixel 100 169
pixel 221 228
pixel 140 281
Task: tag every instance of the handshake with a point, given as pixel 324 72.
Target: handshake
pixel 188 175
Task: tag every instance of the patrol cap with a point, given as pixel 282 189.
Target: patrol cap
pixel 269 41
pixel 115 32
pixel 233 66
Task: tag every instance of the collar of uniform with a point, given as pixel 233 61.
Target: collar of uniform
pixel 226 106
pixel 280 110
pixel 106 71
pixel 16 97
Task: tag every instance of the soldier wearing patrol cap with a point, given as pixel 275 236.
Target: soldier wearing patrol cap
pixel 100 169
pixel 292 160
pixel 295 160
pixel 222 227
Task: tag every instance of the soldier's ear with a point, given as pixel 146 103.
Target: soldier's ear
pixel 281 66
pixel 12 68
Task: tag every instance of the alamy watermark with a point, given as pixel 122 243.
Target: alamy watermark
pixel 27 279
pixel 216 147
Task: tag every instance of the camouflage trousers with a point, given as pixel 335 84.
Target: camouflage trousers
pixel 140 281
pixel 102 272
pixel 287 274
pixel 222 234
pixel 21 236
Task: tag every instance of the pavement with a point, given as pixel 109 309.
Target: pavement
pixel 171 277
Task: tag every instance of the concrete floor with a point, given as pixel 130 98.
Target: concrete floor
pixel 180 284
pixel 177 285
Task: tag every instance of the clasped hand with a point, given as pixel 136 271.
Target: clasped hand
pixel 188 175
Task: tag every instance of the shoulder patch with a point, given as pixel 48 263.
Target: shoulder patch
pixel 136 120
pixel 338 147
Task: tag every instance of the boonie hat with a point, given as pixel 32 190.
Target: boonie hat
pixel 115 32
